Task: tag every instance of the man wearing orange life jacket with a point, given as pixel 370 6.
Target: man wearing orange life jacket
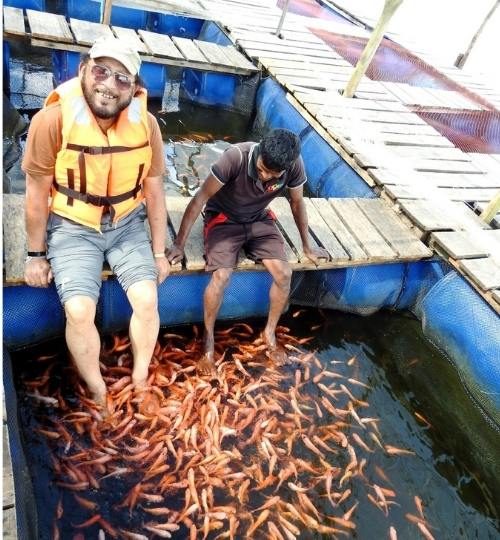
pixel 94 156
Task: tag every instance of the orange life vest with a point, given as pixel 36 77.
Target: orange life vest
pixel 94 170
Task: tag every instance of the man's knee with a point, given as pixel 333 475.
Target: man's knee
pixel 283 276
pixel 220 277
pixel 80 310
pixel 143 297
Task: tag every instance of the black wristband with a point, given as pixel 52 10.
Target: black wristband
pixel 37 253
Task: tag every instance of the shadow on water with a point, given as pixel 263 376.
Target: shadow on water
pixel 411 389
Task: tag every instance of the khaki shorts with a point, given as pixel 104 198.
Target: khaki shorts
pixel 76 253
pixel 224 239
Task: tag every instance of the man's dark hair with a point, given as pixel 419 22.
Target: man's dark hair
pixel 279 149
pixel 85 58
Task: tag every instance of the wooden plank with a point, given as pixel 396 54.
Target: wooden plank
pixel 483 272
pixel 430 215
pixel 324 234
pixel 459 244
pixel 238 59
pixel 267 37
pixel 189 49
pixel 181 62
pixel 417 152
pixel 160 45
pixel 13 21
pixel 348 241
pixel 49 26
pixel 358 224
pixel 86 32
pixel 193 249
pixel 379 116
pixel 304 49
pixel 496 295
pixel 14 238
pixel 281 208
pixel 397 235
pixel 435 165
pixel 274 59
pixel 213 52
pixel 8 498
pixel 131 37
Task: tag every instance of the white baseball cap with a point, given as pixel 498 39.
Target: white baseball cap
pixel 119 50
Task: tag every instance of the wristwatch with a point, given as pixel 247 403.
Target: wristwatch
pixel 35 255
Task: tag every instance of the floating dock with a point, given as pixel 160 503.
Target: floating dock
pixel 53 31
pixel 353 231
pixel 419 172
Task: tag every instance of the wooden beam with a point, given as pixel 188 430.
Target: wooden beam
pixel 369 51
pixel 106 13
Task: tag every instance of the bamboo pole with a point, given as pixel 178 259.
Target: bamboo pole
pixel 282 18
pixel 462 58
pixel 491 209
pixel 106 13
pixel 371 47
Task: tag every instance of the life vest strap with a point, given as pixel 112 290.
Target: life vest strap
pixel 97 200
pixel 100 150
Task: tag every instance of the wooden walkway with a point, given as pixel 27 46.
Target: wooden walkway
pixel 420 173
pixel 354 232
pixel 8 496
pixel 54 32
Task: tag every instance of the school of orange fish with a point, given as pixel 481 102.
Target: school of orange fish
pixel 245 455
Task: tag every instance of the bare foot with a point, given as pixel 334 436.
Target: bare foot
pixel 206 365
pixel 275 352
pixel 278 355
pixel 100 399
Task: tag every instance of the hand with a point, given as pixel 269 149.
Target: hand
pixel 316 254
pixel 175 254
pixel 37 272
pixel 163 267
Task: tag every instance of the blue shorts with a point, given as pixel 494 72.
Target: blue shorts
pixel 76 253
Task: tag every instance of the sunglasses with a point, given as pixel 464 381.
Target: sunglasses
pixel 103 73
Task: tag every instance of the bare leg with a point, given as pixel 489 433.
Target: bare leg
pixel 84 344
pixel 212 300
pixel 144 327
pixel 278 298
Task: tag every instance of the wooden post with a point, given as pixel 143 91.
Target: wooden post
pixel 106 13
pixel 491 209
pixel 369 51
pixel 462 58
pixel 282 19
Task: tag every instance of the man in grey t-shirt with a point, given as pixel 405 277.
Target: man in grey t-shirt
pixel 246 178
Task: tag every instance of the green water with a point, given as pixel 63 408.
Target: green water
pixel 455 468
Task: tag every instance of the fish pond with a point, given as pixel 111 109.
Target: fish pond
pixel 365 433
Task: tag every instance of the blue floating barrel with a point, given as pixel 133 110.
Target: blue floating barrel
pixel 31 315
pixel 6 66
pixel 154 77
pixel 65 65
pixel 38 5
pixel 209 88
pixel 328 174
pixel 91 10
pixel 173 25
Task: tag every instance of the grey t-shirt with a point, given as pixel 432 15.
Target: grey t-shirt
pixel 243 198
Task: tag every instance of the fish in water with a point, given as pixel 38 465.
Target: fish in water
pixel 254 453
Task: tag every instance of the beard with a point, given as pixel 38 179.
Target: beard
pixel 101 107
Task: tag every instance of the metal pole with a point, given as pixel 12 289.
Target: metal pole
pixel 371 47
pixel 282 19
